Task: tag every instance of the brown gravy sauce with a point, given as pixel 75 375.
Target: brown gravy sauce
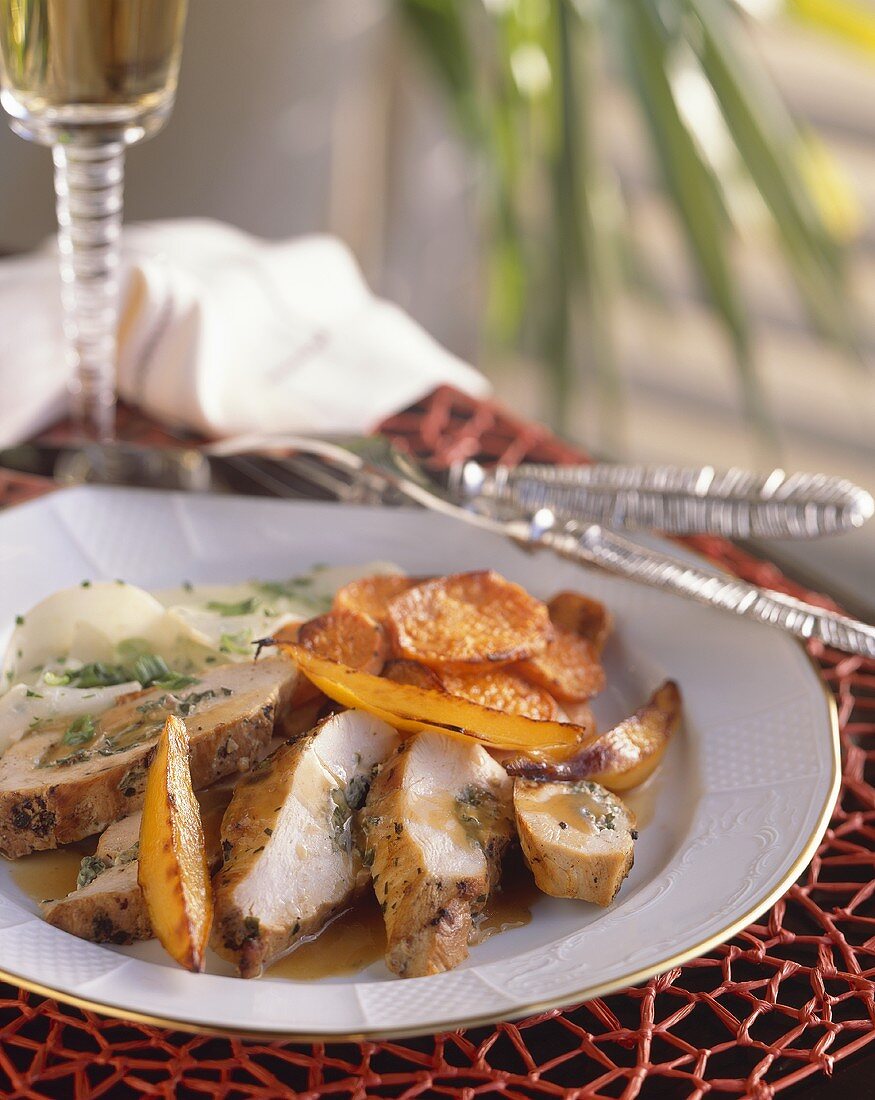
pixel 642 800
pixel 350 943
pixel 357 938
pixel 511 906
pixel 44 875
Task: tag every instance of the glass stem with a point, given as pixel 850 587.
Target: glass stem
pixel 89 186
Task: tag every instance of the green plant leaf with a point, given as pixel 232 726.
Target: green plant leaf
pixel 770 146
pixel 691 185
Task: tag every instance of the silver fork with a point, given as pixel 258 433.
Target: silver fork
pixel 373 471
pixel 674 500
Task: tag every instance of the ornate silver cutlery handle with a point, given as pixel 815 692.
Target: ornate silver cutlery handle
pixel 678 500
pixel 596 546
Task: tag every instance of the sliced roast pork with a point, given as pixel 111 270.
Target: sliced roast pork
pixel 108 904
pixel 577 838
pixel 292 858
pixel 437 820
pixel 67 780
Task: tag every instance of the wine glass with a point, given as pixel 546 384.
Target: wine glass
pixel 88 78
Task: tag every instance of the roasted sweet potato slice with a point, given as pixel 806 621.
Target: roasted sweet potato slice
pixel 502 689
pixel 582 615
pixel 172 871
pixel 349 637
pixel 624 756
pixel 569 668
pixel 412 708
pixel 371 596
pixel 468 620
pixel 498 689
pixel 411 672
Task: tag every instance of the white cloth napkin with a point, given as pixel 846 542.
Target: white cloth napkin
pixel 227 334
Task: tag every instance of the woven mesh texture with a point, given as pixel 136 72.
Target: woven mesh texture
pixel 785 998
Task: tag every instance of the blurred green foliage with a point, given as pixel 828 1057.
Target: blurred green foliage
pixel 523 79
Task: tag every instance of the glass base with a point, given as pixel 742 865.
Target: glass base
pixel 85 123
pixel 127 464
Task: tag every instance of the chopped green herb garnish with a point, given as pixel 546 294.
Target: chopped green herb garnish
pixel 149 668
pixel 98 674
pixel 32 694
pixel 89 869
pixel 357 792
pixel 79 731
pixel 242 607
pixel 174 681
pixel 234 643
pixel 56 679
pixel 187 586
pixel 19 620
pixel 85 584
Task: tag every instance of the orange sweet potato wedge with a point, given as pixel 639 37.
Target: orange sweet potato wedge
pixel 581 615
pixel 411 708
pixel 468 620
pixel 620 758
pixel 371 596
pixel 173 872
pixel 569 668
pixel 503 689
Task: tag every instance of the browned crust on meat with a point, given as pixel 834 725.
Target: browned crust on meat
pixel 248 822
pixel 429 920
pixel 115 913
pixel 69 805
pixel 64 812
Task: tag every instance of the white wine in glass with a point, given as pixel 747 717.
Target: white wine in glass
pixel 89 77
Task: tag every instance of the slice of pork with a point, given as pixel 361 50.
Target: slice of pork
pixel 437 820
pixel 109 905
pixel 67 781
pixel 577 838
pixel 291 856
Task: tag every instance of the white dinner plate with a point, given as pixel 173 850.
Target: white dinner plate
pixel 730 819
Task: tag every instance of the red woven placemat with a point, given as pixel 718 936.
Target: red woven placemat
pixel 785 998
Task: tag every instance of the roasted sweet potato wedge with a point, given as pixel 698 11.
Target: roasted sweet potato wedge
pixel 411 708
pixel 569 668
pixel 624 756
pixel 173 872
pixel 371 596
pixel 468 620
pixel 581 615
